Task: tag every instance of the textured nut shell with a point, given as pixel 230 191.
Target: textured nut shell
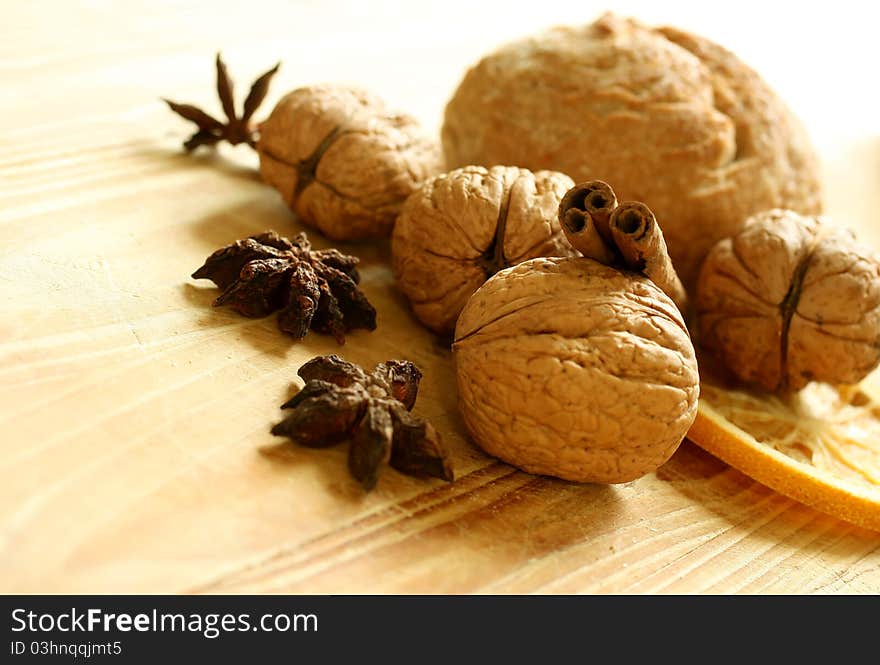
pixel 573 369
pixel 834 330
pixel 440 241
pixel 363 176
pixel 665 117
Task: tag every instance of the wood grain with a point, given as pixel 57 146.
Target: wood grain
pixel 135 448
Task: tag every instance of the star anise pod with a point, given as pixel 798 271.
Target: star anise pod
pixel 237 129
pixel 315 289
pixel 340 402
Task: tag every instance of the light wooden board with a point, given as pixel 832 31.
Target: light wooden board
pixel 135 447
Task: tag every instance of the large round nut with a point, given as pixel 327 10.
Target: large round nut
pixel 342 161
pixel 573 369
pixel 790 300
pixel 462 227
pixel 665 117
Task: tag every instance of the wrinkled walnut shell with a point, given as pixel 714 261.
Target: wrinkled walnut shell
pixel 666 117
pixel 462 227
pixel 570 368
pixel 790 300
pixel 343 162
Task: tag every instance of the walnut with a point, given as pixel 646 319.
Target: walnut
pixel 570 368
pixel 790 300
pixel 462 227
pixel 667 118
pixel 343 162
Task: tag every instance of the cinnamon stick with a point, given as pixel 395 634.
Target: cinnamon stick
pixel 639 239
pixel 584 215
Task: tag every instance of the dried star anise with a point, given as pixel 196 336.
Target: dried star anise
pixel 340 401
pixel 237 129
pixel 315 289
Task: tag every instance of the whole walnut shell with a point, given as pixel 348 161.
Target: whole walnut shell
pixel 665 117
pixel 462 227
pixel 573 369
pixel 790 300
pixel 343 162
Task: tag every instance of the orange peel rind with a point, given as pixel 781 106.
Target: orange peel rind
pixel 820 446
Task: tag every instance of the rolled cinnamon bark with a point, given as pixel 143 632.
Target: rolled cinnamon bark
pixel 584 215
pixel 639 239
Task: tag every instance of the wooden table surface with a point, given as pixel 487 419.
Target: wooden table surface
pixel 135 448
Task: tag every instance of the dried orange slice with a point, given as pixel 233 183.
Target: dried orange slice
pixel 820 446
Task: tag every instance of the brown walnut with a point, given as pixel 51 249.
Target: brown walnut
pixel 666 117
pixel 342 161
pixel 462 227
pixel 570 368
pixel 790 300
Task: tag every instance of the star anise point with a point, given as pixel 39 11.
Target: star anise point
pixel 267 273
pixel 340 401
pixel 237 128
